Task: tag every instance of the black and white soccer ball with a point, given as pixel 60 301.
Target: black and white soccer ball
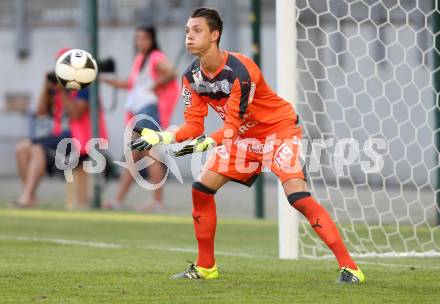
pixel 76 69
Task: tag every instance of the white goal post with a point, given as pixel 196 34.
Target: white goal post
pixel 288 218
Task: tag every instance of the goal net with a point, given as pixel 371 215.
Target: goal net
pixel 368 84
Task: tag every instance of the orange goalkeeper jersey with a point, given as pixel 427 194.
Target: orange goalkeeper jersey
pixel 240 95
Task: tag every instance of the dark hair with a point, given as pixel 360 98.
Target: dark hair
pixel 155 46
pixel 212 17
pixel 152 30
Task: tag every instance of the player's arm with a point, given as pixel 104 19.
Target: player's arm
pixel 195 111
pixel 237 106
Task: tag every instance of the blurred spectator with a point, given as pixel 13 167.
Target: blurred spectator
pixel 60 114
pixel 153 91
pixel 50 126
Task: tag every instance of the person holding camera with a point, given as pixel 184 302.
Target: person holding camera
pixel 60 114
pixel 36 155
pixel 153 91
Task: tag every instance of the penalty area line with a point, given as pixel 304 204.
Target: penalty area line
pixel 223 253
pixel 411 266
pixel 93 244
pixel 117 246
pixel 61 241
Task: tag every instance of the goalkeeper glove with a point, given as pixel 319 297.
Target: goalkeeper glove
pixel 150 138
pixel 200 144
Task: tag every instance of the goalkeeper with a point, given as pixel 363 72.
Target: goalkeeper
pixel 260 129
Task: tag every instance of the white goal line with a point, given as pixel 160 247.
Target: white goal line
pixel 225 253
pixel 60 241
pixel 391 254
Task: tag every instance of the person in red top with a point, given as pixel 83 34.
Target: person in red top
pixel 260 129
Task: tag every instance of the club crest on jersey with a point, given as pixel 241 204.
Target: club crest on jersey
pixel 213 87
pixel 226 87
pixel 186 95
pixel 197 75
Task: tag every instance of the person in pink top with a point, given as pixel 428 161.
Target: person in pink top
pixel 153 91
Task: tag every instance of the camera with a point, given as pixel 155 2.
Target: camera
pixel 51 77
pixel 106 65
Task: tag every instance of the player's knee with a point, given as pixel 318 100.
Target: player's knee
pixel 296 196
pixel 202 188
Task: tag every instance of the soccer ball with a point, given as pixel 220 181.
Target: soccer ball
pixel 76 69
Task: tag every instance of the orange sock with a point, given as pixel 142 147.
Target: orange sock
pixel 205 221
pixel 324 226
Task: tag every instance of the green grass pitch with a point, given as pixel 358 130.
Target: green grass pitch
pixel 95 257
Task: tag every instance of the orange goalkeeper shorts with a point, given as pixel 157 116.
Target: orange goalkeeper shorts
pixel 242 159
